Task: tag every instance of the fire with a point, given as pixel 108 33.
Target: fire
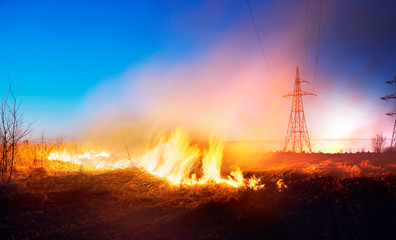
pixel 174 158
pixel 177 160
pixel 91 160
pixel 254 183
pixel 76 159
pixel 281 184
pixel 211 162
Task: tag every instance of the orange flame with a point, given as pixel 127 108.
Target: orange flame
pixel 173 158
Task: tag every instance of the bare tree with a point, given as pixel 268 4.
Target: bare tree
pixel 12 131
pixel 378 142
pixel 4 135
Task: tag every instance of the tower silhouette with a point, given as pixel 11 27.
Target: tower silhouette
pixel 297 131
pixel 393 113
pixel 393 141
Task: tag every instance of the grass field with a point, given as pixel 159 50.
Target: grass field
pixel 133 204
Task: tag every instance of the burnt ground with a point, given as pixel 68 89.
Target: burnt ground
pixel 131 204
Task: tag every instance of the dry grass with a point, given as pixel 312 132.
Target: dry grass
pixel 64 201
pixel 108 196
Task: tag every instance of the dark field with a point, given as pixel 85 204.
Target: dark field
pixel 132 204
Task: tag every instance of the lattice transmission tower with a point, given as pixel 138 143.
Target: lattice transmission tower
pixel 393 113
pixel 297 131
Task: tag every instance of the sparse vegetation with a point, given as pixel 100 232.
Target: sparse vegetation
pixel 378 143
pixel 12 131
pixel 390 149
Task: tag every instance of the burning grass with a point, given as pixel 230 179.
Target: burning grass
pixel 64 191
pixel 173 157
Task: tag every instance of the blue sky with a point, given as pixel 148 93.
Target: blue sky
pixel 59 53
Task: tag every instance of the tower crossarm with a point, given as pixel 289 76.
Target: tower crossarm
pixel 289 95
pixel 390 96
pixel 302 93
pixel 307 93
pixel 391 82
pixel 393 113
pixel 302 81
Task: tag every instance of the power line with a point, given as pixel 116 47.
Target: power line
pixel 261 44
pixel 317 45
pixel 322 86
pixel 306 40
pixel 393 113
pixel 348 104
pixel 370 118
pixel 370 101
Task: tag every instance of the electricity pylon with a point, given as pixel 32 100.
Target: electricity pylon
pixel 297 131
pixel 393 113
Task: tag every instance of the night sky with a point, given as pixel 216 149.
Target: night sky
pixel 198 64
